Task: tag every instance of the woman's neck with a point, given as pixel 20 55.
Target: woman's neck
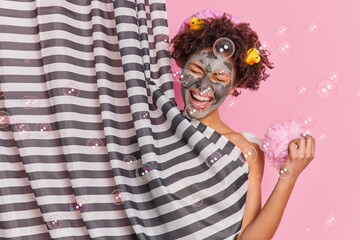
pixel 212 119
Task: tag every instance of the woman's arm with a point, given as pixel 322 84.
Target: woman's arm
pixel 265 224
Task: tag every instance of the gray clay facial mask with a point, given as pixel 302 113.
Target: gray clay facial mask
pixel 208 81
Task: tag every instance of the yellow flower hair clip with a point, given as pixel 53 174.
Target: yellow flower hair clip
pixel 253 56
pixel 196 24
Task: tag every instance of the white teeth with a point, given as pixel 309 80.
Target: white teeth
pixel 200 97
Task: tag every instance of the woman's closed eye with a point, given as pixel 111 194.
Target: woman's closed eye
pixel 196 69
pixel 221 76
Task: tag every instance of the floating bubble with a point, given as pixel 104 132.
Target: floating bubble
pixel 184 78
pixel 4 119
pixel 230 104
pixel 71 90
pixel 43 129
pixel 249 152
pixel 26 60
pixel 284 47
pixel 264 145
pixel 35 102
pixel 284 171
pixel 144 173
pixel 281 31
pixel 129 161
pixel 307 131
pixel 322 137
pixel 176 74
pixel 313 27
pixel 197 200
pixel 191 112
pixel 162 42
pixel 358 93
pixel 326 88
pixel 206 90
pixel 224 46
pixel 22 130
pixel 307 229
pixel 144 115
pixel 117 197
pixel 333 76
pixel 78 205
pixel 263 46
pixel 54 222
pixel 307 120
pixel 26 102
pixel 95 145
pixel 302 90
pixel 214 159
pixel 331 220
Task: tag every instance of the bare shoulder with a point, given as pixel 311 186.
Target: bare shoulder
pixel 256 165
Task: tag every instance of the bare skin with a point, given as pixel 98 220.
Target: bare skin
pixel 261 223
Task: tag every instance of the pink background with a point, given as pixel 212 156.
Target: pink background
pixel 329 186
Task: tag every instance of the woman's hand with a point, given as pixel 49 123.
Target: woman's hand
pixel 301 153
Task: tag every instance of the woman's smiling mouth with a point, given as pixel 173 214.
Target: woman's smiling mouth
pixel 200 101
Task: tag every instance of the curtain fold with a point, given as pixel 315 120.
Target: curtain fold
pixel 92 143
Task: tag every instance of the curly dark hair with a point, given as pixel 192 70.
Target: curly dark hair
pixel 243 37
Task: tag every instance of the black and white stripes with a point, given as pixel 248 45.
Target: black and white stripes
pixel 86 85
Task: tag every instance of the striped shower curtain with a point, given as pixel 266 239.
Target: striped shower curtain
pixel 92 143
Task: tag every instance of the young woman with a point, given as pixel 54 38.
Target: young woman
pixel 208 77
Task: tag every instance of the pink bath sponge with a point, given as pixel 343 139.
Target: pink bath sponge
pixel 276 140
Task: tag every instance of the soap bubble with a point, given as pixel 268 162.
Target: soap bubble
pixel 129 161
pixel 284 47
pixel 249 152
pixel 331 220
pixel 313 27
pixel 214 159
pixel 282 31
pixel 263 46
pixel 78 205
pixel 307 120
pixel 230 103
pixel 184 78
pixel 207 89
pixel 284 171
pixel 54 222
pixel 22 130
pixel 302 90
pixel 26 102
pixel 43 129
pixel 322 137
pixel 26 60
pixel 162 42
pixel 95 145
pixel 197 200
pixel 117 197
pixel 326 88
pixel 144 115
pixel 264 145
pixel 71 90
pixel 176 74
pixel 224 46
pixel 4 119
pixel 307 131
pixel 333 76
pixel 144 173
pixel 192 112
